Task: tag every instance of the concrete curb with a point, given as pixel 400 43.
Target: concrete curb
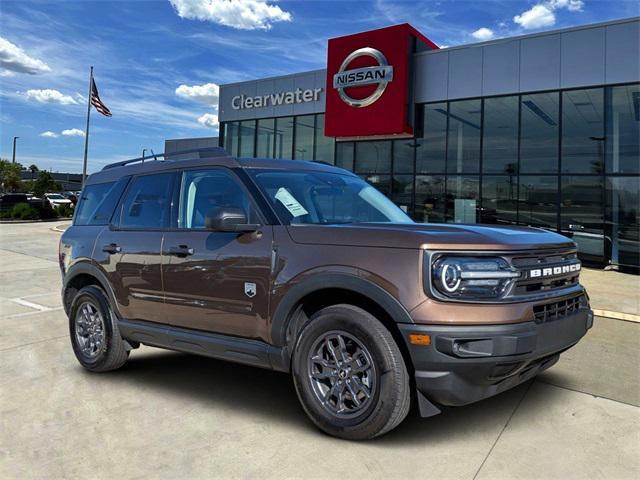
pixel 18 222
pixel 627 317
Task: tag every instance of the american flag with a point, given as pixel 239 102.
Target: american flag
pixel 96 102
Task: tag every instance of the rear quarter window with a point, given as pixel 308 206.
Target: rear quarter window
pixel 98 201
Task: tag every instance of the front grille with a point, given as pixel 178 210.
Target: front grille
pixel 553 311
pixel 528 285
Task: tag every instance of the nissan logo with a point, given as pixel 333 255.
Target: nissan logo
pixel 381 75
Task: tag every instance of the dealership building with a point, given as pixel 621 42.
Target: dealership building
pixel 540 130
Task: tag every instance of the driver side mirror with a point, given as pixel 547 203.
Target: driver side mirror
pixel 228 219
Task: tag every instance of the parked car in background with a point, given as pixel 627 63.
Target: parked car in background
pixel 56 199
pixel 9 200
pixel 72 196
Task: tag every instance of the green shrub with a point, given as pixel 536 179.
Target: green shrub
pixel 44 210
pixel 24 211
pixel 5 214
pixel 64 210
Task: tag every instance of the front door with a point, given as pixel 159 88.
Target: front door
pixel 216 281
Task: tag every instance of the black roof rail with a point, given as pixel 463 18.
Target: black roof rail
pixel 208 152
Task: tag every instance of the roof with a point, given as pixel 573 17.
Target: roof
pixel 115 172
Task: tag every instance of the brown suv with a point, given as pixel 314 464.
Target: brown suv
pixel 305 268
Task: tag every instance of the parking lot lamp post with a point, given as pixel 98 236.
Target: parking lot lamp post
pixel 14 149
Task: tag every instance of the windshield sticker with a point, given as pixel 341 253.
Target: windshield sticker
pixel 290 203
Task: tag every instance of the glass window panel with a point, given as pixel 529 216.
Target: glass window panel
pixel 147 202
pixel 499 199
pixel 203 190
pixel 303 143
pixel 231 138
pixel 373 157
pixel 325 146
pixel 402 191
pixel 623 129
pixel 432 147
pixel 581 215
pixel 539 133
pixel 623 208
pixel 463 199
pixel 265 138
pixel 247 138
pixel 582 131
pixel 463 154
pixel 284 137
pixel 403 156
pixel 538 206
pixel 381 182
pixel 344 155
pixel 500 130
pixel 430 199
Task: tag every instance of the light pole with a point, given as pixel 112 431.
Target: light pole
pixel 14 149
pixel 144 150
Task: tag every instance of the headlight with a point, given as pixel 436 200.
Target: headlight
pixel 469 278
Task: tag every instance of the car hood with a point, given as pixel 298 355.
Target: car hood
pixel 429 236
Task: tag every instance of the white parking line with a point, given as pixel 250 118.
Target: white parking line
pixel 27 303
pixel 28 314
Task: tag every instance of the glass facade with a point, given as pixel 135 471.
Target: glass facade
pixel 568 161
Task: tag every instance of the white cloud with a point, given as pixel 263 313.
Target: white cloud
pixel 14 59
pixel 208 120
pixel 49 134
pixel 483 34
pixel 49 95
pixel 207 93
pixel 571 5
pixel 243 15
pixel 73 132
pixel 542 14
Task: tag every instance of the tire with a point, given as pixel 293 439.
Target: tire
pixel 365 340
pixel 108 351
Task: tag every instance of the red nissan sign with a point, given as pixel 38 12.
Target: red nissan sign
pixel 368 83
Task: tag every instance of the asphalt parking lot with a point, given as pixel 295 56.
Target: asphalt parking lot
pixel 170 415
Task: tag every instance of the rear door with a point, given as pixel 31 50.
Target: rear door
pixel 216 281
pixel 130 249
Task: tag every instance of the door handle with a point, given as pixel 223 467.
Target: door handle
pixel 181 251
pixel 112 248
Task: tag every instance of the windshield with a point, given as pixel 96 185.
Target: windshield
pixel 308 197
pixel 55 196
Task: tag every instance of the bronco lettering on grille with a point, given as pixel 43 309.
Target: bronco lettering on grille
pixel 553 271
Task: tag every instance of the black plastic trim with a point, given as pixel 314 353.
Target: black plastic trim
pixel 224 347
pixel 288 305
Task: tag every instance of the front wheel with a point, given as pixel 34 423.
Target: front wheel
pixel 350 375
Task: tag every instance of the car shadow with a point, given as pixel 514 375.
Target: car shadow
pixel 272 396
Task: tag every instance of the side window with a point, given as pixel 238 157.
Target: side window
pixel 203 190
pixel 147 202
pixel 97 202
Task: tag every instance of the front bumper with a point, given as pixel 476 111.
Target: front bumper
pixel 464 364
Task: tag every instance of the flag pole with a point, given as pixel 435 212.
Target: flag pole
pixel 86 130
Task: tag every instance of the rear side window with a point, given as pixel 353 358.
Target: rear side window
pixel 147 202
pixel 98 201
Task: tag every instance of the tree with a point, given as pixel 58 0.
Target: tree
pixel 10 179
pixel 45 183
pixel 33 169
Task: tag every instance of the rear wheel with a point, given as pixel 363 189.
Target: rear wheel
pixel 350 375
pixel 93 328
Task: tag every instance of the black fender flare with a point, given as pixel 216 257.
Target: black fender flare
pixel 287 306
pixel 89 268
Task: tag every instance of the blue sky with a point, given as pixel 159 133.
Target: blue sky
pixel 158 62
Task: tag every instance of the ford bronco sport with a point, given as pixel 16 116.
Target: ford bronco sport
pixel 305 268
